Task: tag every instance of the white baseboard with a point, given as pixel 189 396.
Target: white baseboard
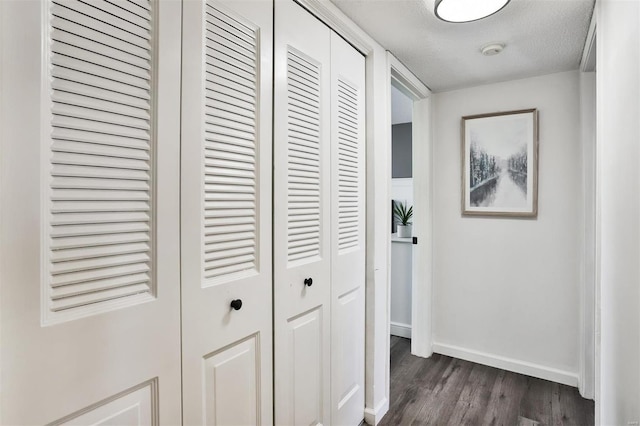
pixel 509 364
pixel 400 329
pixel 373 416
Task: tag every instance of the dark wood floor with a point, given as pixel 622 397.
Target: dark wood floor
pixel 447 391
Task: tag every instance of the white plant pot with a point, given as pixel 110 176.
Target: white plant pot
pixel 404 231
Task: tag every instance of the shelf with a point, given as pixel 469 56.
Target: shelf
pixel 396 239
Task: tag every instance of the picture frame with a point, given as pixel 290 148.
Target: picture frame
pixel 500 164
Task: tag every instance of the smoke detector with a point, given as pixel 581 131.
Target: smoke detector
pixel 492 49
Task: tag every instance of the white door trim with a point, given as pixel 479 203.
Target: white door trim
pixel 3 106
pixel 589 301
pixel 422 275
pixel 332 17
pixel 405 80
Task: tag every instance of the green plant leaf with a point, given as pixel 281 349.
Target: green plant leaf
pixel 403 214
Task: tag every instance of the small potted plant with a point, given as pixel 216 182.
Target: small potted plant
pixel 404 215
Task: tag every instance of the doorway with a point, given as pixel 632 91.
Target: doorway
pixel 420 197
pixel 402 214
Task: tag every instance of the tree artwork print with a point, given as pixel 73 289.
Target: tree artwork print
pixel 500 164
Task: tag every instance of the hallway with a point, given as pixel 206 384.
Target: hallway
pixel 443 390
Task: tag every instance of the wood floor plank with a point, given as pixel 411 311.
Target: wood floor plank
pixel 587 409
pixel 527 422
pixel 442 390
pixel 473 402
pixel 409 401
pixel 504 404
pixel 436 373
pixel 414 373
pixel 446 393
pixel 400 349
pixel 405 371
pixel 537 401
pixel 568 408
pixel 414 389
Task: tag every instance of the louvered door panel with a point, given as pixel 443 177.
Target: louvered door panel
pixel 101 161
pixel 230 197
pixel 349 159
pixel 303 145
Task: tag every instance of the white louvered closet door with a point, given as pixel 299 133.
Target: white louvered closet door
pixel 227 212
pixel 302 232
pixel 90 219
pixel 347 232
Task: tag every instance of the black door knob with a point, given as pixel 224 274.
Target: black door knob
pixel 236 304
pixel 308 282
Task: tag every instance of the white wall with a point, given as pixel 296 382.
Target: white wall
pixel 618 140
pixel 401 107
pixel 402 190
pixel 401 267
pixel 506 291
pixel 401 271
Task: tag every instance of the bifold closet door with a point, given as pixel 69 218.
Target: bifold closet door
pixel 227 212
pixel 90 219
pixel 319 243
pixel 347 232
pixel 302 221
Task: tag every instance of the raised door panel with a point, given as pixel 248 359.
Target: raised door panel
pixel 347 359
pixel 232 388
pixel 135 407
pixel 304 347
pixel 226 212
pixel 348 233
pixel 302 202
pixel 90 296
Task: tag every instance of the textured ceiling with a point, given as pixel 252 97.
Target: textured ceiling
pixel 541 37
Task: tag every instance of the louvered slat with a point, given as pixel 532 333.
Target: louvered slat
pixel 348 166
pixel 230 145
pixel 303 157
pixel 100 227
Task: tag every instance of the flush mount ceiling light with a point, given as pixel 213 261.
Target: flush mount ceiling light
pixel 465 10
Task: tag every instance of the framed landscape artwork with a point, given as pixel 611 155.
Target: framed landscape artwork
pixel 500 164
